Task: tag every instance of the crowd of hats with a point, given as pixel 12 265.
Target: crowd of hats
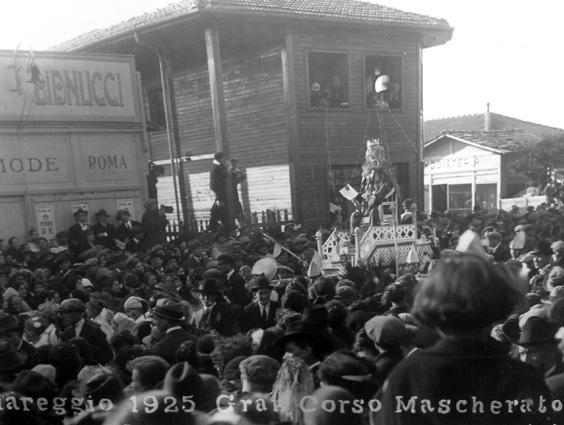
pixel 358 326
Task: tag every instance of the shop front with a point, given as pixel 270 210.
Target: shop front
pixel 71 136
pixel 460 176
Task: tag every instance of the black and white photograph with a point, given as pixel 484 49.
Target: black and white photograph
pixel 281 212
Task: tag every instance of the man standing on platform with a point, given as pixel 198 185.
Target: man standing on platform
pixel 218 184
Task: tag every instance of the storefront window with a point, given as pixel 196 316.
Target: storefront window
pixel 486 196
pixel 382 75
pixel 328 80
pixel 460 197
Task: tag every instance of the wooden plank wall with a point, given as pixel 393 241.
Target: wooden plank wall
pixel 346 127
pixel 257 131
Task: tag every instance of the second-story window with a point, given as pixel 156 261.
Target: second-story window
pixel 328 80
pixel 156 108
pixel 383 82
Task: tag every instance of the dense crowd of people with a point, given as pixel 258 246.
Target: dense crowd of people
pixel 115 325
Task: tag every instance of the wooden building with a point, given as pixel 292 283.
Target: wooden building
pixel 283 86
pixel 71 136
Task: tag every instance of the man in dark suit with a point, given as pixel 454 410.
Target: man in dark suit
pixel 218 184
pixel 498 248
pixel 126 230
pixel 77 232
pixel 75 324
pixel 169 316
pixel 216 314
pixel 104 232
pixel 235 284
pixel 262 312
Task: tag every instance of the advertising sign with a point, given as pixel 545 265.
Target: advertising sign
pixel 65 87
pixel 46 222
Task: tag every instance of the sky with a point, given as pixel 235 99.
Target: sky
pixel 506 52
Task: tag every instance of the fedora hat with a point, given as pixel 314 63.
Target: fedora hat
pixel 10 359
pixel 9 323
pixel 261 282
pixel 102 212
pixel 538 331
pixel 170 310
pixel 210 287
pixel 313 331
pixel 543 248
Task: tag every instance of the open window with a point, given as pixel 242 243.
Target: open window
pixel 382 76
pixel 328 80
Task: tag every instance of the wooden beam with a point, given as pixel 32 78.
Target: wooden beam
pixel 215 73
pixel 216 88
pixel 290 107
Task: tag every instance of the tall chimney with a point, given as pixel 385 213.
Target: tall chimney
pixel 487 118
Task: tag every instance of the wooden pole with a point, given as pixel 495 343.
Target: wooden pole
pixel 215 72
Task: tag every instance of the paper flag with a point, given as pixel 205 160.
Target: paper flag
pixel 277 250
pixel 412 256
pixel 470 243
pixel 348 192
pixel 314 268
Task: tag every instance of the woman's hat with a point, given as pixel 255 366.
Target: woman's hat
pixel 169 309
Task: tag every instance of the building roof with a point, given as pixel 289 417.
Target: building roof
pixel 499 141
pixel 475 123
pixel 352 11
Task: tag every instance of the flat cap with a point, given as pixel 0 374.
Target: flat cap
pixel 386 330
pixel 72 304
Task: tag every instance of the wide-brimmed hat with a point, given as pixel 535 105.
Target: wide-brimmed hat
pixel 210 287
pixel 315 333
pixel 9 323
pixel 10 359
pixel 538 331
pixel 543 248
pixel 169 309
pixel 102 212
pixel 261 282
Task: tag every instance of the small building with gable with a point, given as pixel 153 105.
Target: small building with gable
pixel 467 160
